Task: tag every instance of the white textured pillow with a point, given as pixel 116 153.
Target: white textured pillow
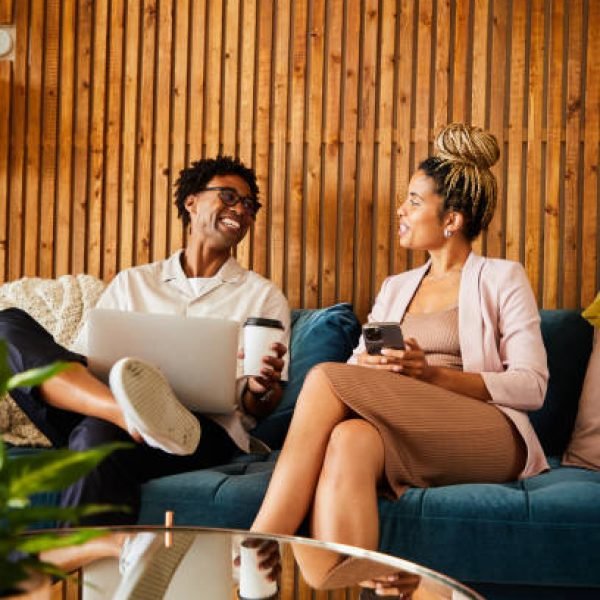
pixel 584 447
pixel 61 306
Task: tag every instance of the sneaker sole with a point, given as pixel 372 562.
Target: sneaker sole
pixel 151 408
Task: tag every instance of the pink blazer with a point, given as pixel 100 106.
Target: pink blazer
pixel 500 337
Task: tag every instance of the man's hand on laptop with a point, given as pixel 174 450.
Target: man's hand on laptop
pixel 263 393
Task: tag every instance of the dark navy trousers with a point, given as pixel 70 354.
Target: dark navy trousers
pixel 118 479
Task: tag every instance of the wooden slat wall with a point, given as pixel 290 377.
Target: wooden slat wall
pixel 333 102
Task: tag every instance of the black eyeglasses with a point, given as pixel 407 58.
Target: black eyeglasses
pixel 230 197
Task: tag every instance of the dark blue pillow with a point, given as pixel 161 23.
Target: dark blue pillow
pixel 568 341
pixel 318 335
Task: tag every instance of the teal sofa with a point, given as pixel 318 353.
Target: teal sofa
pixel 538 538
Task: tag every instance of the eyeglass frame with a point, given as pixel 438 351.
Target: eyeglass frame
pixel 252 211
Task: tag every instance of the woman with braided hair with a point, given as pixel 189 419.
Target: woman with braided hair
pixel 449 408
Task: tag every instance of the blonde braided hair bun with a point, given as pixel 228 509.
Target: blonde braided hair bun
pixel 467 145
pixel 461 168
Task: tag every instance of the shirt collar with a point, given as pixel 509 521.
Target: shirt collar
pixel 230 271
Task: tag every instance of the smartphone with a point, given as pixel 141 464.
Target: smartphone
pixel 382 335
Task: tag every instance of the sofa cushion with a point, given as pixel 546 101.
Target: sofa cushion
pixel 318 335
pixel 543 529
pixel 225 496
pixel 568 341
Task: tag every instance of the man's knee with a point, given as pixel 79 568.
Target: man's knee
pixel 92 432
pixel 15 324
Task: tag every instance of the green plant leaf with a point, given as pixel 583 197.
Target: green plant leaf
pixel 53 470
pixel 33 377
pixel 21 570
pixel 39 542
pixel 24 517
pixel 12 575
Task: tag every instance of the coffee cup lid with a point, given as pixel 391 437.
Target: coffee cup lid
pixel 261 322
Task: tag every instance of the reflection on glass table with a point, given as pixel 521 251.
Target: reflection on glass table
pixel 217 564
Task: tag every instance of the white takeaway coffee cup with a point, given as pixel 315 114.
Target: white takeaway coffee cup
pixel 254 582
pixel 259 335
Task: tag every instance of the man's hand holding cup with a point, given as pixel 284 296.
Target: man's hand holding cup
pixel 263 364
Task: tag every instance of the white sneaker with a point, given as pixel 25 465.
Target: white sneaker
pixel 135 547
pixel 147 566
pixel 151 408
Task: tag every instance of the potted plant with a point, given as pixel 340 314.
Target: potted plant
pixel 21 477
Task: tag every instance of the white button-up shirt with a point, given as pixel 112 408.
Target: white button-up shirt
pixel 233 293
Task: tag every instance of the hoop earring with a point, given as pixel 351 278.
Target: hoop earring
pixel 448 233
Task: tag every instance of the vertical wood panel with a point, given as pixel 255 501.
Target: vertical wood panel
pixel 17 144
pixel 479 79
pixel 96 173
pixel 442 64
pixel 404 102
pixel 384 208
pixel 82 112
pixel 49 139
pixel 34 141
pixel 161 196
pixel 422 92
pixel 197 74
pixel 535 93
pixel 591 159
pixel 179 129
pixel 348 137
pixel 278 135
pixel 313 153
pixel 145 134
pixel 572 157
pixel 65 196
pixel 364 225
pixel 296 154
pixel 5 87
pixel 333 103
pixel 331 159
pixel 263 109
pixel 6 12
pixel 214 98
pixel 553 152
pixel 230 76
pixel 514 220
pixel 113 140
pixel 6 16
pixel 495 235
pixel 128 179
pixel 460 93
pixel 246 110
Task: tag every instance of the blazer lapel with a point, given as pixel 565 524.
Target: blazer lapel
pixel 407 290
pixel 470 318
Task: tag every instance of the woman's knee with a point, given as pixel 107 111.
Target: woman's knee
pixel 355 446
pixel 316 385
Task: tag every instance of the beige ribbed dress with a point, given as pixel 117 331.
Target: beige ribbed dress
pixel 431 436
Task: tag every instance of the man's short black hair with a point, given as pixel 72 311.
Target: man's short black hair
pixel 195 178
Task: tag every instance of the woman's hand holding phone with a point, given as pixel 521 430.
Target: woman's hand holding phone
pixel 410 360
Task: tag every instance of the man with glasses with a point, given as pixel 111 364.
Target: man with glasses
pixel 217 200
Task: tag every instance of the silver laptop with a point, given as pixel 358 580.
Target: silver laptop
pixel 197 355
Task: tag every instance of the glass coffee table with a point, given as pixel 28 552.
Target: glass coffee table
pixel 142 563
